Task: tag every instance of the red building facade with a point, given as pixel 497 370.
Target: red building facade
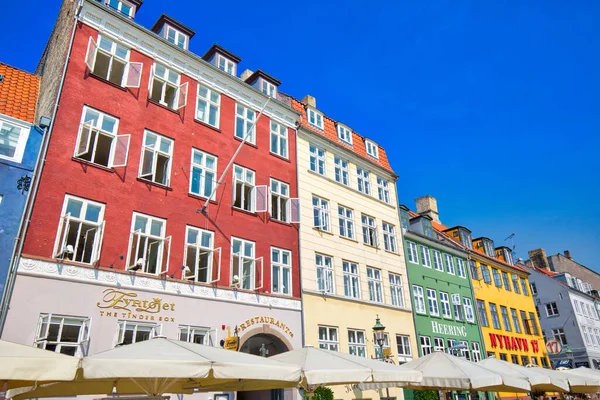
pixel 143 131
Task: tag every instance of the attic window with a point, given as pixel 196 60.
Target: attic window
pixel 224 64
pixel 372 149
pixel 315 118
pixel 507 256
pixel 488 247
pixel 124 7
pixel 177 38
pixel 344 134
pixel 465 237
pixel 268 88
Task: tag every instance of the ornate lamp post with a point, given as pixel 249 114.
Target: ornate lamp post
pixel 378 329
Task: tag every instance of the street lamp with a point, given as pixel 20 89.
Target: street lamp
pixel 569 354
pixel 378 329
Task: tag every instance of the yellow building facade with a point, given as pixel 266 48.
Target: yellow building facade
pixel 352 258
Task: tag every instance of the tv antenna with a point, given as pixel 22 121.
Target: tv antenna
pixel 512 242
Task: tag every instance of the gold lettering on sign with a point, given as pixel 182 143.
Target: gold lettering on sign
pixel 130 305
pixel 265 320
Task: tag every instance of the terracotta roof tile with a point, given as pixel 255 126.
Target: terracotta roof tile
pixel 330 132
pixel 18 93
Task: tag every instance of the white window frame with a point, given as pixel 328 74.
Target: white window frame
pixel 425 256
pixel 191 331
pixel 256 266
pixel 419 297
pixel 372 149
pixel 268 88
pixel 375 282
pixel 411 250
pixel 153 152
pixel 341 173
pixel 346 222
pixel 438 263
pixel 469 311
pixel 363 177
pixel 21 141
pixel 279 138
pixel 396 289
pixel 426 348
pixel 369 230
pixel 331 342
pixel 61 247
pixel 324 267
pixel 449 260
pixel 132 71
pixel 553 310
pixel 314 118
pixel 351 275
pixel 438 344
pixel 43 330
pixel 283 287
pixel 383 190
pixel 460 268
pixel 248 180
pixel 225 64
pixel 476 350
pixel 279 200
pixel 432 302
pixel 180 96
pixel 137 236
pixel 122 325
pixel 389 237
pixel 318 159
pixel 119 8
pixel 119 148
pixel 204 172
pixel 210 104
pixel 344 134
pixel 357 343
pixel 321 214
pixel 242 117
pixel 177 36
pixel 403 344
pixel 445 305
pixel 213 264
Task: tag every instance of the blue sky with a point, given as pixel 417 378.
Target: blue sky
pixel 493 107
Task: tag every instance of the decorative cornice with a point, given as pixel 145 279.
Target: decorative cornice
pixel 353 300
pixel 146 42
pixel 94 276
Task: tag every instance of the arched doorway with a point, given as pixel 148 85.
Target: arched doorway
pixel 264 345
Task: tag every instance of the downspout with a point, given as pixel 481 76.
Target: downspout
pixel 302 323
pixel 36 177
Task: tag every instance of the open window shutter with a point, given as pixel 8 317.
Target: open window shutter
pixel 84 336
pixel 182 96
pixel 258 273
pixel 147 168
pixel 134 244
pixel 191 274
pixel 83 144
pixel 133 75
pixel 62 235
pixel 44 327
pixel 86 237
pixel 98 243
pixel 216 265
pixel 166 253
pixel 293 210
pixel 90 55
pixel 59 236
pixel 121 151
pixel 151 80
pixel 261 198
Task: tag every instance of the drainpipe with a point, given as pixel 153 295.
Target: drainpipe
pixel 36 177
pixel 302 323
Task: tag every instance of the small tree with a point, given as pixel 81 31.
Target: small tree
pixel 321 393
pixel 426 395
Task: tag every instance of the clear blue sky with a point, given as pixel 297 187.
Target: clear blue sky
pixel 493 107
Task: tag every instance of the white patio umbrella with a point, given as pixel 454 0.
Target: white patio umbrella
pixel 325 367
pixel 161 365
pixel 585 372
pixel 22 365
pixel 578 383
pixel 539 381
pixel 443 371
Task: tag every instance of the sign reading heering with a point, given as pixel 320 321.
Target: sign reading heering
pixel 447 329
pixel 126 305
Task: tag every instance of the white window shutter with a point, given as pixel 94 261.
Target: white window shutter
pixel 258 273
pixel 90 55
pixel 151 80
pixel 192 273
pixel 182 96
pixel 83 144
pixel 134 244
pixel 121 151
pixel 63 231
pixel 293 210
pixel 261 198
pixel 43 333
pixel 133 74
pixel 166 253
pixel 98 243
pixel 216 265
pixel 147 169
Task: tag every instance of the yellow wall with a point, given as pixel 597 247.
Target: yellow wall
pixel 334 309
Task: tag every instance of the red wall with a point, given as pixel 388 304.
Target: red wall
pixel 123 193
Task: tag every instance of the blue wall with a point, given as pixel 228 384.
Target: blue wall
pixel 13 200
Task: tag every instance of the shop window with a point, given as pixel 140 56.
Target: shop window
pixel 134 332
pixel 63 334
pixel 195 334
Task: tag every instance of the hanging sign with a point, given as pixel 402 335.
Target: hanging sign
pixel 554 347
pixel 231 342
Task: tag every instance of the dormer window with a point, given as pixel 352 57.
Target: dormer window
pixel 268 88
pixel 507 255
pixel 122 6
pixel 488 247
pixel 372 149
pixel 315 118
pixel 465 237
pixel 177 38
pixel 344 134
pixel 225 65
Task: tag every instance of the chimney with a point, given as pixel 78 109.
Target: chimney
pixel 246 74
pixel 568 254
pixel 427 205
pixel 309 101
pixel 539 259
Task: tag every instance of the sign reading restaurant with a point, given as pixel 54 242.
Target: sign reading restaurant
pixel 447 329
pixel 265 320
pixel 127 305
